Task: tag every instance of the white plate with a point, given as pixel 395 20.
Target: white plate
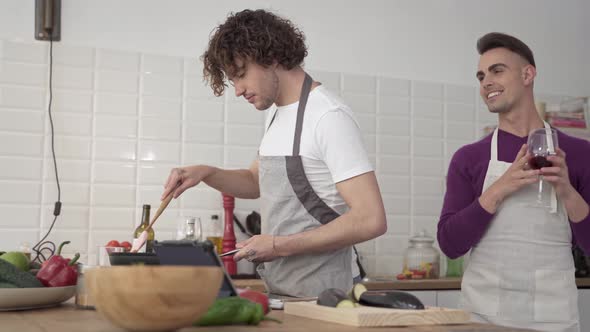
pixel 32 298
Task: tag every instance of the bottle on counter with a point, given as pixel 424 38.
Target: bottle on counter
pixel 215 233
pixel 145 221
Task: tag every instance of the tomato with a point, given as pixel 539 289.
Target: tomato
pixel 113 243
pixel 126 245
pixel 256 297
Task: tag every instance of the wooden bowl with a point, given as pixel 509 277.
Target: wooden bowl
pixel 154 298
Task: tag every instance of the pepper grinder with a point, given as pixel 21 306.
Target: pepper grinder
pixel 229 237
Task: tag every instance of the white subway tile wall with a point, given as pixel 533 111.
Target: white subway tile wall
pixel 122 120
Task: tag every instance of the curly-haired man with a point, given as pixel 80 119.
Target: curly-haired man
pixel 317 188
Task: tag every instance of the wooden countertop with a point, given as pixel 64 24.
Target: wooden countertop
pixel 380 283
pixel 66 318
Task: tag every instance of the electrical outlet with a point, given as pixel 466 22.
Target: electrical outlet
pixel 48 20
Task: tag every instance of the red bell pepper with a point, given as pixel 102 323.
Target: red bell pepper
pixel 256 297
pixel 54 265
pixel 68 276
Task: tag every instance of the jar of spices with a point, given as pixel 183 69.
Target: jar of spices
pixel 421 259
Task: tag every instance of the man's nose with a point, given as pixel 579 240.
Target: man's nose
pixel 239 90
pixel 486 83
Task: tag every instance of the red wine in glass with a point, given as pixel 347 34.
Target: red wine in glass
pixel 539 161
pixel 541 143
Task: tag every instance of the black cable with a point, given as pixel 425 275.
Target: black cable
pixel 43 245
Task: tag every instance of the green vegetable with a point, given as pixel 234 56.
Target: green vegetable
pixel 17 259
pixel 7 285
pixel 12 275
pixel 233 310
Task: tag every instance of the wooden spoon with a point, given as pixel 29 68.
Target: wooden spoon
pixel 141 239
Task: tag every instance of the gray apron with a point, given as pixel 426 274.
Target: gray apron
pixel 521 273
pixel 289 205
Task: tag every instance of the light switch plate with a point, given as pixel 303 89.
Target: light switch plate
pixel 42 19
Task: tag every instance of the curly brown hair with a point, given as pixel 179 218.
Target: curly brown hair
pixel 251 35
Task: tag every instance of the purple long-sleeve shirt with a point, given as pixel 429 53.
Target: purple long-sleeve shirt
pixel 463 221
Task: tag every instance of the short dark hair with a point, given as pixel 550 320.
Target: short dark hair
pixel 496 40
pixel 251 35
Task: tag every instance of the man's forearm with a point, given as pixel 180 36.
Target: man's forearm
pixel 239 183
pixel 343 231
pixel 575 205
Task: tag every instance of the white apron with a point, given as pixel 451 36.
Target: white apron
pixel 521 273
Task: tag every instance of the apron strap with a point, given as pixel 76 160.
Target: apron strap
pixel 305 89
pixel 300 112
pixel 494 146
pixel 551 148
pixel 550 144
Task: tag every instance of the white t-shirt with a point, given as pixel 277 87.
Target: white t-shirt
pixel 331 144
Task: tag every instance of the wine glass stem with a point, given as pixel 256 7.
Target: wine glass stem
pixel 540 193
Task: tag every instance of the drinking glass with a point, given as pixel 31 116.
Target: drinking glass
pixel 189 228
pixel 541 144
pixel 104 252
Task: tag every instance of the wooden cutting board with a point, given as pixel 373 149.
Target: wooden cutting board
pixel 373 316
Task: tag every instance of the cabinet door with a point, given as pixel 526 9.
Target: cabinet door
pixel 448 298
pixel 584 308
pixel 428 298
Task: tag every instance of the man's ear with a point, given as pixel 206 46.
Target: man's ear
pixel 529 72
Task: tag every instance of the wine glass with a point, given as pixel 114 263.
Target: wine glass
pixel 541 144
pixel 189 228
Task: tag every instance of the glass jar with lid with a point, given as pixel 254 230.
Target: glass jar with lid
pixel 421 259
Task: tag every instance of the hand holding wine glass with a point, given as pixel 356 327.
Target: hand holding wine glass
pixel 557 174
pixel 542 143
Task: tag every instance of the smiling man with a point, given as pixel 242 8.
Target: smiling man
pixel 317 188
pixel 521 270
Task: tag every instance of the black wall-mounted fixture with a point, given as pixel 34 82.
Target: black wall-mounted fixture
pixel 48 20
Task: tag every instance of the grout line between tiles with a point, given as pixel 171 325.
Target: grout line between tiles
pixel 92 156
pixel 412 156
pixel 139 131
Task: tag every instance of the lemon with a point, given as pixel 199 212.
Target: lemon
pixel 17 259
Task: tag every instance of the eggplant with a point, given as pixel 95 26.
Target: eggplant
pixel 391 299
pixel 335 298
pixel 356 291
